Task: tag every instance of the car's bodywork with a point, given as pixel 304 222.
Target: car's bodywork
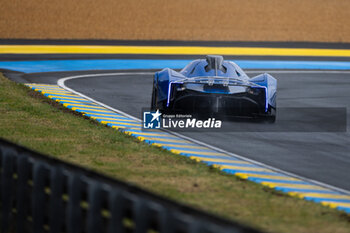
pixel 214 86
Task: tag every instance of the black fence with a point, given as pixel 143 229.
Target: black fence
pixel 43 194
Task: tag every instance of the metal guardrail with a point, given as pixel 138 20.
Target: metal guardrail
pixel 42 194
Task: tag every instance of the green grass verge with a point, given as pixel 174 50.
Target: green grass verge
pixel 29 119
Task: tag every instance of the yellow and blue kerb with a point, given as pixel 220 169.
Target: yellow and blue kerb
pixel 227 163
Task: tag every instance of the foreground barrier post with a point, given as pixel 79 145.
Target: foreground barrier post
pixel 42 194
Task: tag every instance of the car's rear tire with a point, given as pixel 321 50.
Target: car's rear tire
pixel 154 97
pixel 271 118
pixel 153 103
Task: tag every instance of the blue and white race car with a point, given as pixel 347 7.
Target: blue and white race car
pixel 214 86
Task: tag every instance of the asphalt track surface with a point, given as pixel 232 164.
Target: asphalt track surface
pixel 321 156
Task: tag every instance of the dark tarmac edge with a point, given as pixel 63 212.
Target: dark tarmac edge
pixel 329 45
pixel 37 57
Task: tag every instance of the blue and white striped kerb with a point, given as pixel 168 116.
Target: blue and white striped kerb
pixel 227 163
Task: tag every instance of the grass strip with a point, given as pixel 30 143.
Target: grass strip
pixel 29 119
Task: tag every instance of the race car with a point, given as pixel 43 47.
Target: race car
pixel 214 86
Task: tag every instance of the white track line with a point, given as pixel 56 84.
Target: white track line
pixel 61 83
